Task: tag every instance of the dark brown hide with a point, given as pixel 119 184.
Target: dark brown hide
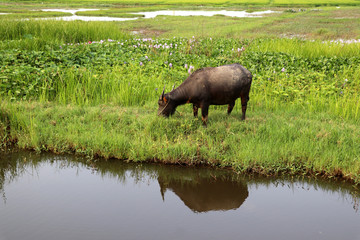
pixel 209 86
pixel 203 194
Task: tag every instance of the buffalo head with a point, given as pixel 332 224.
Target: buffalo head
pixel 166 106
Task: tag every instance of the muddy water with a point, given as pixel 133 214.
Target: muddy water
pixel 62 197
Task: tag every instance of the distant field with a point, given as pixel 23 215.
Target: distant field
pixel 316 2
pixel 206 2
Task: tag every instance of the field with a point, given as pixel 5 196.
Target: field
pixel 201 2
pixel 91 88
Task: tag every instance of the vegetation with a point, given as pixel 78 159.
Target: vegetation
pixel 203 2
pixel 92 89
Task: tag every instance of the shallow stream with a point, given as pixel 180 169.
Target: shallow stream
pixel 62 197
pixel 156 13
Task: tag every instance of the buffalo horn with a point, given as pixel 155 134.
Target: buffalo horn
pixel 173 87
pixel 162 95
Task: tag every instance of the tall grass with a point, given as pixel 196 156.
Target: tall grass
pixel 295 142
pixel 309 49
pixel 135 88
pixel 316 2
pixel 132 72
pixel 36 34
pixel 212 2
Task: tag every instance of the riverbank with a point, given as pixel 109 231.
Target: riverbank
pixel 268 142
pixel 92 89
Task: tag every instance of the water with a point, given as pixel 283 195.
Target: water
pixel 204 13
pixel 61 197
pixel 156 13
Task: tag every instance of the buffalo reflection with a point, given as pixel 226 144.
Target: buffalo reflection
pixel 201 189
pixel 203 194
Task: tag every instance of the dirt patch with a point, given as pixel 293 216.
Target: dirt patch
pixel 148 32
pixel 346 13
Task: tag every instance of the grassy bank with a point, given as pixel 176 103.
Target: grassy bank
pixel 269 142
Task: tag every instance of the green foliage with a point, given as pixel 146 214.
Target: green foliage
pixel 269 142
pixel 70 91
pixel 207 2
pixel 41 35
pixel 131 72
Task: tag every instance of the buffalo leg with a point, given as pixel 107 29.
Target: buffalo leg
pixel 244 101
pixel 195 109
pixel 204 113
pixel 230 107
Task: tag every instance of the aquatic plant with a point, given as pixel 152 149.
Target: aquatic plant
pixel 126 71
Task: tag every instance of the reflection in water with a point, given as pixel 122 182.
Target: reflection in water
pixel 63 197
pixel 200 189
pixel 204 194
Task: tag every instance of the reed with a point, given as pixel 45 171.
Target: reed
pixel 38 34
pixel 309 49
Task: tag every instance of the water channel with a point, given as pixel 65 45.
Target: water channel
pixel 154 14
pixel 45 196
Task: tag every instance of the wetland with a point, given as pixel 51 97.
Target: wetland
pixel 88 91
pixel 46 196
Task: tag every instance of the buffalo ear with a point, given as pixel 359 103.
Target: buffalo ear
pixel 164 99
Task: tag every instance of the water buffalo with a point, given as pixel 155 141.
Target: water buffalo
pixel 209 86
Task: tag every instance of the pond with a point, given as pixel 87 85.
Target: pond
pixel 47 196
pixel 157 13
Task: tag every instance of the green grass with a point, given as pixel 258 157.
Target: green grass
pixel 206 2
pixel 42 34
pixel 59 93
pixel 33 14
pixel 293 142
pixel 109 13
pixel 308 49
pixel 98 100
pixel 131 71
pixel 315 2
pixel 325 24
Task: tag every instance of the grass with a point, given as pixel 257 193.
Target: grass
pixel 108 13
pixel 315 2
pixel 33 14
pixel 324 24
pixel 310 3
pixel 308 49
pixel 61 93
pixel 279 141
pixel 40 34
